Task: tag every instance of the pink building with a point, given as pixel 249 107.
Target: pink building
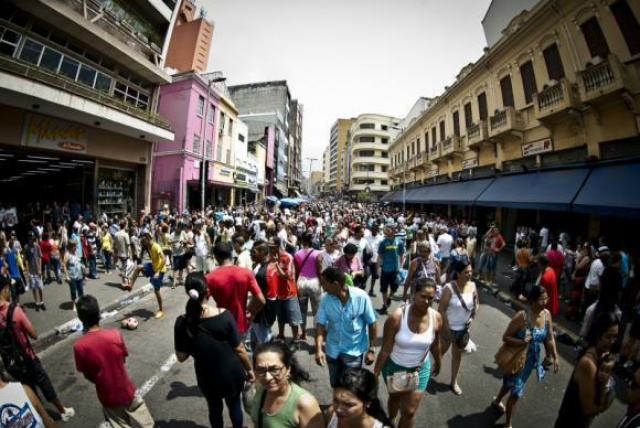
pixel 177 165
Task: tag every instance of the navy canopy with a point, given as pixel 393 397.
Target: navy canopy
pixel 288 202
pixel 544 190
pixel 458 193
pixel 611 190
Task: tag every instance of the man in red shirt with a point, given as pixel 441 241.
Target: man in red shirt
pixel 22 331
pixel 549 282
pixel 230 285
pixel 100 356
pixel 281 275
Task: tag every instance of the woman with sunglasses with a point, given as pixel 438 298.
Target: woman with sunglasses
pixel 210 335
pixel 279 401
pixel 411 334
pixel 356 403
pixel 534 327
pixel 582 400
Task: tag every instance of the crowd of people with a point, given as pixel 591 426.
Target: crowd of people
pixel 246 269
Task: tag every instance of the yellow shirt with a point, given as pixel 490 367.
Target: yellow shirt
pixel 106 242
pixel 157 258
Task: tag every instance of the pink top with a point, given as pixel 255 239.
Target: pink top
pixel 343 264
pixel 308 268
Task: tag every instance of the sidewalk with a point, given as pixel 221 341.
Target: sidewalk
pixel 504 275
pixel 54 323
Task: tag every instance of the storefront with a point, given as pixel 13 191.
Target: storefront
pixel 222 190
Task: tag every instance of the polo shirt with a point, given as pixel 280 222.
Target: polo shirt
pixel 347 325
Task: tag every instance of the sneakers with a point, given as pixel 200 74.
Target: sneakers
pixel 159 314
pixel 43 307
pixel 68 414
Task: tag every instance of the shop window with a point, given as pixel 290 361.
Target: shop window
pixel 69 67
pixel 507 91
pixel 31 52
pixel 50 60
pixel 528 81
pixel 595 38
pixel 553 62
pixel 628 24
pixel 8 41
pixel 482 106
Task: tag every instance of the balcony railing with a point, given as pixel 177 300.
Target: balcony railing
pixel 20 68
pixel 602 79
pixel 506 120
pixel 477 133
pixel 555 99
pixel 434 152
pixel 452 145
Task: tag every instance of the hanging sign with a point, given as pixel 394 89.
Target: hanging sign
pixel 470 163
pixel 537 147
pixel 433 173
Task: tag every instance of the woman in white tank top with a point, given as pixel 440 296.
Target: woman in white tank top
pixel 411 333
pixel 458 306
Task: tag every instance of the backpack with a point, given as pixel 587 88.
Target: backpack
pixel 15 359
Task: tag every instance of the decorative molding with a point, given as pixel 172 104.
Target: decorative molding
pixel 547 40
pixel 481 88
pixel 587 12
pixel 506 69
pixel 524 57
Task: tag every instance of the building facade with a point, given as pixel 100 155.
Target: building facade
pixel 334 165
pixel 370 137
pixel 295 148
pixel 190 40
pixel 559 88
pixel 79 82
pixel 246 168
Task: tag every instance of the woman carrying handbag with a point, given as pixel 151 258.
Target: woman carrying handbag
pixel 411 333
pixel 526 332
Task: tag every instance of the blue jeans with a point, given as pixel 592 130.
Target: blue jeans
pixel 337 366
pixel 93 268
pixel 234 406
pixel 77 288
pixel 55 264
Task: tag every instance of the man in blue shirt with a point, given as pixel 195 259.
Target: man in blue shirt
pixel 348 321
pixel 390 259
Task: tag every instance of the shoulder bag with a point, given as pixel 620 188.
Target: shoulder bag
pixel 462 338
pixel 405 380
pixel 511 358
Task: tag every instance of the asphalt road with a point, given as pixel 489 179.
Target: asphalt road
pixel 172 395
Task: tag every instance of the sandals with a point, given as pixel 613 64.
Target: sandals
pixel 456 389
pixel 498 406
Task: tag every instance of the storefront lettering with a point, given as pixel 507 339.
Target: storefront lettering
pixel 537 147
pixel 54 134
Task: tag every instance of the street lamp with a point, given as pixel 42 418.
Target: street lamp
pixel 205 118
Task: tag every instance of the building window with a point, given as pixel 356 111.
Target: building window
pixel 222 124
pixel 200 111
pixel 456 123
pixel 228 161
pixel 528 81
pixel 433 136
pixel 418 145
pixel 230 127
pixel 385 154
pixel 482 106
pixel 367 126
pixel 384 140
pixel 31 52
pixel 208 149
pixel 211 113
pixel 442 130
pixel 241 138
pixel 9 41
pixel 595 38
pixel 413 148
pixel 507 91
pixel 366 153
pixel 553 62
pixel 196 143
pixel 468 115
pixel 384 182
pixel 219 151
pixel 628 24
pixel 384 127
pixel 426 140
pixel 367 139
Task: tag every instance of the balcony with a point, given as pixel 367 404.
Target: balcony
pixel 33 73
pixel 452 146
pixel 477 134
pixel 370 175
pixel 413 163
pixel 434 152
pixel 555 100
pixel 601 81
pixel 506 121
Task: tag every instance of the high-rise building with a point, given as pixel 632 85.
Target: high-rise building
pixel 79 85
pixel 295 148
pixel 338 143
pixel 190 42
pixel 370 137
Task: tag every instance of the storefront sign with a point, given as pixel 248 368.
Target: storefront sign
pixel 470 163
pixel 432 173
pixel 537 147
pixel 54 134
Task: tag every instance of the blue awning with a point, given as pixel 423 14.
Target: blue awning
pixel 544 190
pixel 388 197
pixel 611 190
pixel 458 193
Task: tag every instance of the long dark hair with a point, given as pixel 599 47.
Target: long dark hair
pixel 602 322
pixel 362 383
pixel 195 283
pixel 460 266
pixel 296 373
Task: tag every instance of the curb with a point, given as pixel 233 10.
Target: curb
pixel 518 305
pixel 60 332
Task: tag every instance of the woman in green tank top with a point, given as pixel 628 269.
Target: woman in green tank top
pixel 279 401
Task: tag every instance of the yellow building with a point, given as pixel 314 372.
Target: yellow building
pixel 559 87
pixel 338 144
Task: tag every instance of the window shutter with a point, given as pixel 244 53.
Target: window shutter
pixel 595 38
pixel 528 81
pixel 554 62
pixel 507 92
pixel 482 106
pixel 456 123
pixel 468 115
pixel 628 24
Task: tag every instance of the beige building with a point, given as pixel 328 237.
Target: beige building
pixel 316 181
pixel 368 155
pixel 338 144
pixel 560 86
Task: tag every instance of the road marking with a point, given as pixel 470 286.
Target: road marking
pixel 163 370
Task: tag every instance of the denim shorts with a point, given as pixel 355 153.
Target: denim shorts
pixel 424 372
pixel 288 311
pixel 149 273
pixel 492 261
pixel 339 365
pixel 388 279
pixel 261 333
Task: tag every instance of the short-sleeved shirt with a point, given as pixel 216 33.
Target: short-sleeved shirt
pixel 21 325
pixel 347 325
pixel 496 243
pixel 286 287
pixel 122 242
pixel 100 356
pixel 229 286
pixel 33 256
pixel 157 258
pixel 390 250
pixel 266 316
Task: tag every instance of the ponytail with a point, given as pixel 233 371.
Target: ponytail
pixel 196 287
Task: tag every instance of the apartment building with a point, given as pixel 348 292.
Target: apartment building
pixel 527 132
pixel 79 86
pixel 190 39
pixel 370 137
pixel 334 165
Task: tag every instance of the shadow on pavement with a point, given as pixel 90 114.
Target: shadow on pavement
pixel 179 389
pixel 143 314
pixel 434 387
pixel 66 306
pixel 174 423
pixel 113 284
pixel 493 371
pixel 485 419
